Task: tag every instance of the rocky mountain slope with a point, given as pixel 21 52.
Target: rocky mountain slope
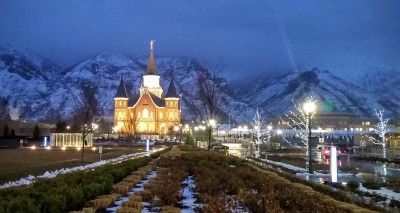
pixel 36 88
pixel 275 95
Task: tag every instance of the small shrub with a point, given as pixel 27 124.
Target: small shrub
pixel 353 185
pixel 170 209
pixel 370 184
pixel 128 210
pixel 133 204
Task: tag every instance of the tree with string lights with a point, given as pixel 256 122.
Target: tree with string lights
pixel 381 129
pixel 300 123
pixel 258 124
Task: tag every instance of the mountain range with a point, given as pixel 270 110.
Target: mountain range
pixel 37 89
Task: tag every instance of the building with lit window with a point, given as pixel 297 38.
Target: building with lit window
pixel 332 121
pixel 151 111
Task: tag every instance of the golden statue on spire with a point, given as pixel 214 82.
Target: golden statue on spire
pixel 151 44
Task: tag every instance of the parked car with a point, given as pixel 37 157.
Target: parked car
pixel 326 151
pixel 144 141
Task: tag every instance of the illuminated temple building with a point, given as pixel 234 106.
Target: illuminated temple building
pixel 151 111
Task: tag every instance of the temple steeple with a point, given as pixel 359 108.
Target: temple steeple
pixel 151 79
pixel 151 65
pixel 171 92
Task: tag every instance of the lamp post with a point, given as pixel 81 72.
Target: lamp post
pixel 280 136
pixel 211 124
pixel 269 127
pixel 309 108
pixel 196 128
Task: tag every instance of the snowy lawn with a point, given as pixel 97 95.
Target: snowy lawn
pixel 51 174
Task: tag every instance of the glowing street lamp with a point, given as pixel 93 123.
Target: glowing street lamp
pixel 309 108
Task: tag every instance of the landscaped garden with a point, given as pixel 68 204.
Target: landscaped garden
pixel 183 179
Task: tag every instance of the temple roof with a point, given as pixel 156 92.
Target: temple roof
pixel 158 101
pixel 133 99
pixel 121 91
pixel 171 92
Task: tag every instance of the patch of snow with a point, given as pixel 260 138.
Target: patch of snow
pixel 31 179
pixel 385 192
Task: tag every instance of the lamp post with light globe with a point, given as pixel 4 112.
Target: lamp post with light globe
pixel 309 108
pixel 269 128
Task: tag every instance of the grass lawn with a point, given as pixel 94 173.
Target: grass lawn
pixel 21 162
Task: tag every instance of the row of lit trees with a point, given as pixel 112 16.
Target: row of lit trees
pixel 301 124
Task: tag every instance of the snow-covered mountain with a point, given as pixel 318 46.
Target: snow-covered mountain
pixel 105 71
pixel 27 81
pixel 275 94
pixel 37 89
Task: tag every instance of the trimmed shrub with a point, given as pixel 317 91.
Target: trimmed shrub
pixel 170 209
pixel 128 210
pixel 370 184
pixel 353 185
pixel 67 192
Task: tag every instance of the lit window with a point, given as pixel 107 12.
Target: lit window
pixel 160 115
pixel 367 123
pixel 138 114
pixel 119 115
pixel 151 114
pixel 145 113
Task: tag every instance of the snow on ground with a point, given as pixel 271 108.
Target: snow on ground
pixel 390 194
pixel 138 187
pixel 31 179
pixel 189 196
pixel 300 170
pixel 383 192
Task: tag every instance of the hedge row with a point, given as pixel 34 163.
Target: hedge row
pixel 225 183
pixel 70 191
pixel 327 190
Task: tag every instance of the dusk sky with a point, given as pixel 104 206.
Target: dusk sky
pixel 343 36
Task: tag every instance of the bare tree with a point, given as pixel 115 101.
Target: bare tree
pixel 86 109
pixel 207 106
pixel 130 125
pixel 381 129
pixel 299 123
pixel 258 124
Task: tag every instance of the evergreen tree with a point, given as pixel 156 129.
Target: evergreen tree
pixel 6 131
pixel 61 126
pixel 190 139
pixel 36 132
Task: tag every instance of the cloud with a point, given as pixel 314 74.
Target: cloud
pixel 255 35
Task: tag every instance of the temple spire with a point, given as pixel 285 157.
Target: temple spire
pixel 151 44
pixel 151 66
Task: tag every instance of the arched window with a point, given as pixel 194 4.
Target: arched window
pixel 145 113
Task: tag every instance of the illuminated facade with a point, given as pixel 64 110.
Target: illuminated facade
pixel 151 111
